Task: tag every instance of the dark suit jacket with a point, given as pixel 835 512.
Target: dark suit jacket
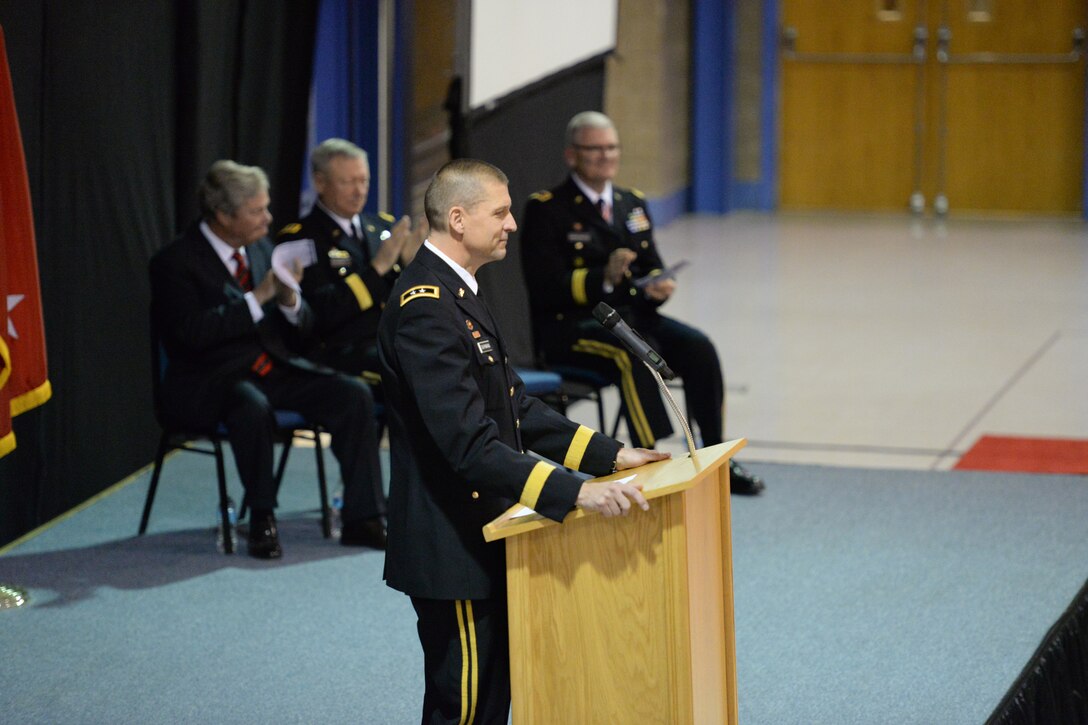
pixel 346 293
pixel 565 245
pixel 459 425
pixel 200 315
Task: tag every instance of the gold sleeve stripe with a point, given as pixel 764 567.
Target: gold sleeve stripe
pixel 578 447
pixel 535 484
pixel 578 286
pixel 420 290
pixel 362 294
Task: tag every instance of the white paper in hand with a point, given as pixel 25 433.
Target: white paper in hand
pixel 284 256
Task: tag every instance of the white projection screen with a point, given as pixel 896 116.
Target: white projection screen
pixel 516 42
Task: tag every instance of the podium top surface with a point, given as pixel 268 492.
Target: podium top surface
pixel 658 479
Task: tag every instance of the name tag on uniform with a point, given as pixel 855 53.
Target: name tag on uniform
pixel 484 346
pixel 574 237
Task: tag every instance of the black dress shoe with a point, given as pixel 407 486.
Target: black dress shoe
pixel 364 532
pixel 264 539
pixel 742 482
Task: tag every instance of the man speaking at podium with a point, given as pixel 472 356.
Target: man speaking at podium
pixel 460 425
pixel 589 241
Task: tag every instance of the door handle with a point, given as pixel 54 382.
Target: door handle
pixel 788 44
pixel 944 41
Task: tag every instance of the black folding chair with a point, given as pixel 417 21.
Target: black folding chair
pixel 289 425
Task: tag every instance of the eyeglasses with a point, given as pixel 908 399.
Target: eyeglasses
pixel 602 149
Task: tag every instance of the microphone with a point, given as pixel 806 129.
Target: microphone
pixel 631 340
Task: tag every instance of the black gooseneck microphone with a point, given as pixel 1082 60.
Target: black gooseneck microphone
pixel 631 340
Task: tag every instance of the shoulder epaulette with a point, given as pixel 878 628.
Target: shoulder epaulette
pixel 541 196
pixel 290 229
pixel 420 290
pixel 638 193
pixel 387 216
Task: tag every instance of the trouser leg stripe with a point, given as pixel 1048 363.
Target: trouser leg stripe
pixel 622 360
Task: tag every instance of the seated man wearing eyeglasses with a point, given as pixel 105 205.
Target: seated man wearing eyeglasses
pixel 588 241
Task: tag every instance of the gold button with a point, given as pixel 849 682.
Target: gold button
pixel 578 245
pixel 490 359
pixel 517 423
pixel 645 244
pixel 475 494
pixel 511 391
pixel 633 292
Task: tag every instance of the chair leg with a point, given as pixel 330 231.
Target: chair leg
pixel 221 479
pixel 617 421
pixel 322 488
pixel 282 465
pixel 160 454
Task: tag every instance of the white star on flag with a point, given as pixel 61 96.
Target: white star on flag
pixel 12 301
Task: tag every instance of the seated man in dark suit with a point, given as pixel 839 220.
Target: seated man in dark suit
pixel 227 324
pixel 359 257
pixel 587 241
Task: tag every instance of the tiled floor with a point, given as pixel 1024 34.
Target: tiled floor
pixel 887 341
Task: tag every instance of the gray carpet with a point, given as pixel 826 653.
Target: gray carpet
pixel 862 596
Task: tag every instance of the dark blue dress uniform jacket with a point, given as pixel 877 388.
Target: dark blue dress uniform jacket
pixel 460 422
pixel 346 293
pixel 565 245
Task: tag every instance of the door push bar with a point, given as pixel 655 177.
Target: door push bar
pixel 944 39
pixel 917 54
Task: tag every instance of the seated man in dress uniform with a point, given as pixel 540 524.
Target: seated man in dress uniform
pixel 589 240
pixel 359 257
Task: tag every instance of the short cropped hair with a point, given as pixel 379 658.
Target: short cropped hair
pixel 228 185
pixel 459 183
pixel 586 119
pixel 329 149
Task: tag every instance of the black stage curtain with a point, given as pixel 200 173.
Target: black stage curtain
pixel 123 105
pixel 524 136
pixel 1053 687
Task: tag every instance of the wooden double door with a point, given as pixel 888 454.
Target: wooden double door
pixel 938 105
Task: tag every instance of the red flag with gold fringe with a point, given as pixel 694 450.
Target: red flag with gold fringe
pixel 24 380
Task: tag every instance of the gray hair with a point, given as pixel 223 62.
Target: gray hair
pixel 459 183
pixel 329 149
pixel 586 119
pixel 228 185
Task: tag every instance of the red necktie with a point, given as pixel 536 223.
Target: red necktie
pixel 263 364
pixel 605 210
pixel 241 272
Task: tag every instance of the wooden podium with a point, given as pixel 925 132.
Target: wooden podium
pixel 627 619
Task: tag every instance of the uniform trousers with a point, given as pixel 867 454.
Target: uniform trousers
pixel 341 405
pixel 357 360
pixel 688 351
pixel 466 660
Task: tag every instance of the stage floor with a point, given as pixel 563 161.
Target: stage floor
pixel 862 596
